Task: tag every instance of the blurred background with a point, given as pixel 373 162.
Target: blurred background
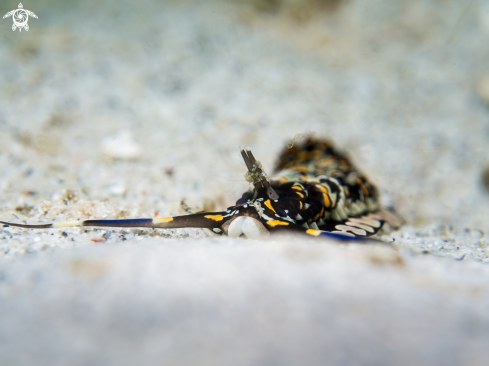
pixel 122 109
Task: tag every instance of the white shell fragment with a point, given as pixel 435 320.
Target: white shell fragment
pixel 250 227
pixel 234 229
pixel 254 229
pixel 121 146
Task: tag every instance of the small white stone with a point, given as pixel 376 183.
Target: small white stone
pixel 121 146
pixel 117 189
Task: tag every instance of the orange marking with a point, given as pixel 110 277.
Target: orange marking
pixel 269 205
pixel 159 220
pixel 313 232
pixel 327 201
pixel 274 223
pixel 214 217
pixel 322 188
pixel 347 192
pixel 98 240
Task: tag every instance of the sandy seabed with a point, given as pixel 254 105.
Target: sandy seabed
pixel 122 110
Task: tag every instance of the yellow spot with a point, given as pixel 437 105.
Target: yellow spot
pixel 274 223
pixel 299 188
pixel 313 232
pixel 347 192
pixel 300 194
pixel 68 224
pixel 214 217
pixel 327 201
pixel 160 220
pixel 269 205
pixel 321 188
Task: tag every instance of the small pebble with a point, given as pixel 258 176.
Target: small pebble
pixel 121 146
pixel 98 240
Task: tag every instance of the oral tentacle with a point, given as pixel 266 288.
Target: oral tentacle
pixel 256 175
pixel 209 220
